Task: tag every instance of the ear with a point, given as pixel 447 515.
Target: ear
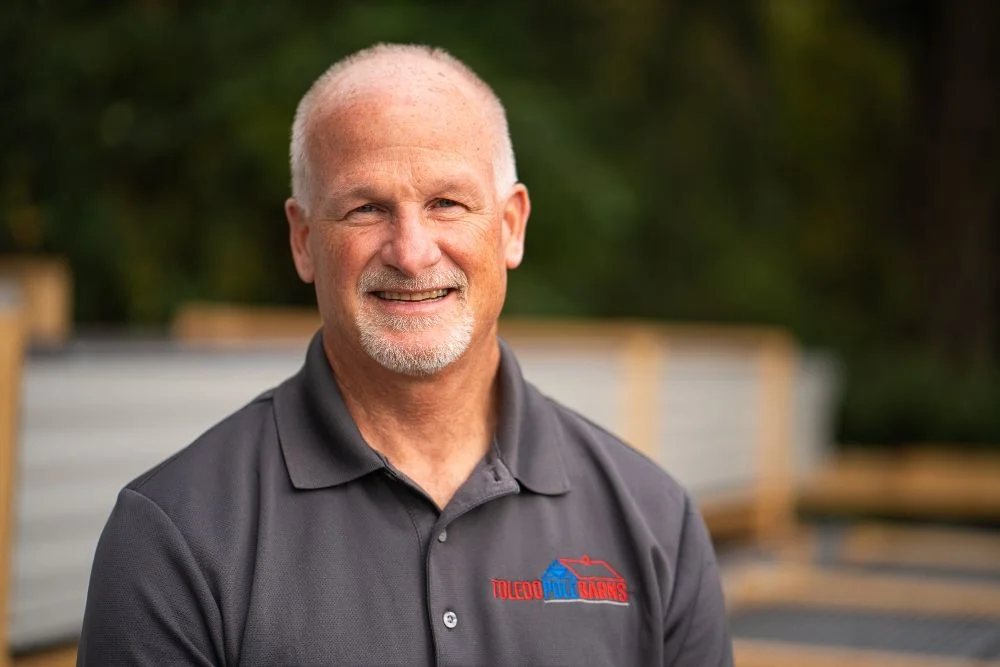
pixel 515 220
pixel 298 236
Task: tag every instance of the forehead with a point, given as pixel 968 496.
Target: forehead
pixel 428 126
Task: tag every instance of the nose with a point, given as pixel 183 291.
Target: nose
pixel 412 246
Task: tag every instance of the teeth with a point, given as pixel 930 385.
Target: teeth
pixel 412 296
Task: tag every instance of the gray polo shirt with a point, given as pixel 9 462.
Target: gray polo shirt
pixel 280 538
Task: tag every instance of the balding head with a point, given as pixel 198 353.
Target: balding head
pixel 398 72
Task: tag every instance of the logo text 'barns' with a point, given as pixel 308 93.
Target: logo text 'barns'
pixel 568 580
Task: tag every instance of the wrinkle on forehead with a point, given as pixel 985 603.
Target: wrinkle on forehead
pixel 414 77
pixel 422 117
pixel 420 83
pixel 393 177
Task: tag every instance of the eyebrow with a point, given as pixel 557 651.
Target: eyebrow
pixel 460 184
pixel 330 205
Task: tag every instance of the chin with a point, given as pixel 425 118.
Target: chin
pixel 417 354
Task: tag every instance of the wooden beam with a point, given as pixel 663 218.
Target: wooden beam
pixel 932 547
pixel 47 289
pixel 729 517
pixel 801 585
pixel 59 657
pixel 11 354
pixel 921 483
pixel 643 359
pixel 228 324
pixel 775 519
pixel 758 653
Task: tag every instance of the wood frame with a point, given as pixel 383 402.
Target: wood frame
pixel 942 483
pixel 767 512
pixel 15 329
pixel 974 551
pixel 11 356
pixel 644 348
pixel 231 324
pixel 755 653
pixel 804 585
pixel 798 584
pixel 58 657
pixel 47 288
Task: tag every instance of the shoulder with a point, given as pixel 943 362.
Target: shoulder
pixel 595 456
pixel 217 468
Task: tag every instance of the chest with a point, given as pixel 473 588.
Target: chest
pixel 383 579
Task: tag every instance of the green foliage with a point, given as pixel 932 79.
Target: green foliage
pixel 903 397
pixel 715 161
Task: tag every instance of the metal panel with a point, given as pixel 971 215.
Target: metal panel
pixel 93 419
pixel 586 379
pixel 709 416
pixel 96 416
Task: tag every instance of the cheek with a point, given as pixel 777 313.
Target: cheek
pixel 342 257
pixel 486 261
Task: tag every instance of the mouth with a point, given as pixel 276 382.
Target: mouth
pixel 427 295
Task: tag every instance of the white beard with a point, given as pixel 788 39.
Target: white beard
pixel 413 359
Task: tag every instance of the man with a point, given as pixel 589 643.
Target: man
pixel 406 499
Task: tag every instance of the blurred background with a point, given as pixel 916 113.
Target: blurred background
pixel 825 165
pixel 825 170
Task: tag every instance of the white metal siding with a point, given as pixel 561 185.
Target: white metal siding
pixel 94 418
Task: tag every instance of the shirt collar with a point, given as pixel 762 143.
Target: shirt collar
pixel 322 445
pixel 528 433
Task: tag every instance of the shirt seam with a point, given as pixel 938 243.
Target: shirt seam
pixel 187 547
pixel 697 589
pixel 150 475
pixel 608 435
pixel 401 499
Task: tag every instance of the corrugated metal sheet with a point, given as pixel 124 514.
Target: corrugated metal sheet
pixel 96 416
pixel 93 418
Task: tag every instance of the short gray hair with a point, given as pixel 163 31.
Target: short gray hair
pixel 504 166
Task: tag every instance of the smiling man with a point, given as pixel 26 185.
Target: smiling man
pixel 406 498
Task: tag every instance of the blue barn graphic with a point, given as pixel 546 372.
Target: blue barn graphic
pixel 563 577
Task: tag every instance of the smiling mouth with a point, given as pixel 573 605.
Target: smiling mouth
pixel 428 295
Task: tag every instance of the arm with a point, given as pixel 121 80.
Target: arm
pixel 149 603
pixel 695 632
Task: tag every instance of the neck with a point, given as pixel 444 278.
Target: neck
pixel 433 429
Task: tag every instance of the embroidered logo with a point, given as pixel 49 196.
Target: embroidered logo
pixel 568 580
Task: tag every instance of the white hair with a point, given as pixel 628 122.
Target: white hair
pixel 303 185
pixel 374 325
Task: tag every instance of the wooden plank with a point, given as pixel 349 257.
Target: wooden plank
pixel 643 346
pixel 759 653
pixel 701 335
pixel 60 657
pixel 228 324
pixel 643 360
pixel 47 289
pixel 11 355
pixel 802 585
pixel 921 483
pixel 975 551
pixel 729 517
pixel 221 321
pixel 776 485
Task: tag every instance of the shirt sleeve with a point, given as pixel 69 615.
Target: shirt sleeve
pixel 149 603
pixel 696 632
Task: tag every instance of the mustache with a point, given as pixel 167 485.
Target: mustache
pixel 386 279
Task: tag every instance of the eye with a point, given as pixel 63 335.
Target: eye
pixel 446 203
pixel 366 208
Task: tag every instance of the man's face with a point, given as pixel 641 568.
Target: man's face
pixel 407 239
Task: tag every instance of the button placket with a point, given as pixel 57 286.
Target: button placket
pixel 444 554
